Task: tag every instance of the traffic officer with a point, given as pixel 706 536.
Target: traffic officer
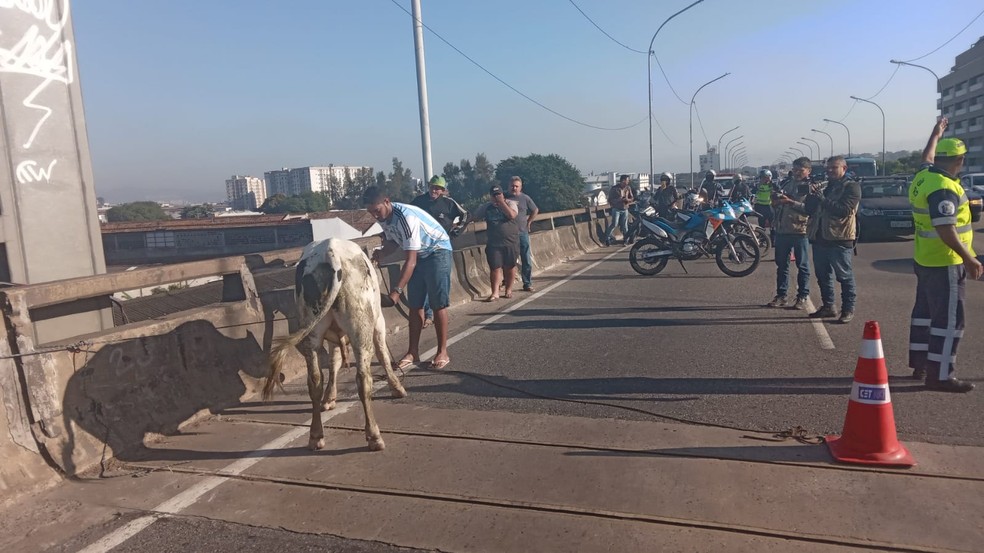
pixel 944 258
pixel 763 201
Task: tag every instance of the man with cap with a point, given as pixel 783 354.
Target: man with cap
pixel 763 201
pixel 447 212
pixel 502 240
pixel 944 259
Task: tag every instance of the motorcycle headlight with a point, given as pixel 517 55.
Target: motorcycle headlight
pixel 870 212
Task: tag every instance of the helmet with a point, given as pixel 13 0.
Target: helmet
pixel 666 176
pixel 765 173
pixel 736 178
pixel 710 173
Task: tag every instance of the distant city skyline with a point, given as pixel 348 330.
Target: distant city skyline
pixel 180 95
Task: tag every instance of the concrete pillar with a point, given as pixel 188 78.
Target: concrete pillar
pixel 49 228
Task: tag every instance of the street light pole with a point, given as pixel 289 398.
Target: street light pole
pixel 734 156
pixel 649 82
pixel 719 145
pixel 939 87
pixel 883 127
pixel 848 133
pixel 728 145
pixel 819 155
pixel 808 147
pixel 801 153
pixel 731 154
pixel 425 137
pixel 692 98
pixel 829 138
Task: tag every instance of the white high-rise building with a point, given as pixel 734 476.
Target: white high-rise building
pixel 963 103
pixel 292 182
pixel 245 192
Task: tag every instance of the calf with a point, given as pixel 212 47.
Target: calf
pixel 338 302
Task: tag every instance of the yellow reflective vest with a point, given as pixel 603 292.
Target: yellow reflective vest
pixel 763 194
pixel 930 251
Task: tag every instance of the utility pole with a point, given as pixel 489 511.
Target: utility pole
pixel 425 135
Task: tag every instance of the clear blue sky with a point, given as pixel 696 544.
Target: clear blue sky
pixel 179 95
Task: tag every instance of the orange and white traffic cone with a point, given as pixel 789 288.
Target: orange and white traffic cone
pixel 869 436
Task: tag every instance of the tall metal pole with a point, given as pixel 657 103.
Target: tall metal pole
pixel 728 145
pixel 883 127
pixel 939 87
pixel 819 155
pixel 692 98
pixel 425 136
pixel 719 145
pixel 829 138
pixel 649 82
pixel 801 152
pixel 734 156
pixel 808 147
pixel 848 133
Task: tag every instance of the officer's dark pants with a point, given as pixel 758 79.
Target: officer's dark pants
pixel 937 320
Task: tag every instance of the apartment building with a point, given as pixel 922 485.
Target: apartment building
pixel 291 182
pixel 245 192
pixel 963 103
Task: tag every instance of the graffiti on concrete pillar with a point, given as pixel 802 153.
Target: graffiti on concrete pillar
pixel 41 54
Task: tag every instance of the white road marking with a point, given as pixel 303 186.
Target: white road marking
pixel 825 341
pixel 188 497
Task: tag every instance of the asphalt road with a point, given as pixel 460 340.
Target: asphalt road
pixel 699 347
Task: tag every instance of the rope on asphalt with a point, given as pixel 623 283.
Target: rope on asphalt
pixel 797 433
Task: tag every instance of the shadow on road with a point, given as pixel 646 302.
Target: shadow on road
pixel 799 453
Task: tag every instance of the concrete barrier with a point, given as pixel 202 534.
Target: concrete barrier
pixel 121 388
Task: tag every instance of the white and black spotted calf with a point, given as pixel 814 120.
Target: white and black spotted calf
pixel 338 302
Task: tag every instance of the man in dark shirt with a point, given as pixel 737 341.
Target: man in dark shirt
pixel 666 196
pixel 447 212
pixel 502 240
pixel 620 197
pixel 711 189
pixel 527 213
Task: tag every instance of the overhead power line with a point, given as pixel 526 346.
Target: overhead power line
pixel 615 40
pixel 951 38
pixel 897 67
pixel 511 87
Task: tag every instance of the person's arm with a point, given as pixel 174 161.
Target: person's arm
pixel 929 152
pixel 943 216
pixel 388 247
pixel 948 234
pixel 461 214
pixel 848 201
pixel 409 264
pixel 534 211
pixel 509 207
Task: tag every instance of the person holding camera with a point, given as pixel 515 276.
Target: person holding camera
pixel 447 212
pixel 790 226
pixel 502 240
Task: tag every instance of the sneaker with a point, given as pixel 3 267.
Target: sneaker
pixel 825 312
pixel 919 374
pixel 777 301
pixel 800 304
pixel 951 385
pixel 846 317
pixel 528 288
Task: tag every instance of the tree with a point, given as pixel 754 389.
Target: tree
pixel 469 183
pixel 362 179
pixel 307 202
pixel 203 211
pixel 137 211
pixel 400 186
pixel 552 181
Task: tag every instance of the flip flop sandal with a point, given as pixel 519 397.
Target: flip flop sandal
pixel 406 363
pixel 440 364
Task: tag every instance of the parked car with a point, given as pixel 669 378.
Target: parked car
pixel 884 209
pixel 973 181
pixel 974 196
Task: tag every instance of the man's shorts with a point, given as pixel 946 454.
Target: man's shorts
pixel 431 280
pixel 501 257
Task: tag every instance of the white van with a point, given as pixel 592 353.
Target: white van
pixel 973 181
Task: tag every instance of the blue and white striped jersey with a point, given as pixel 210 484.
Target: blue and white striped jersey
pixel 413 228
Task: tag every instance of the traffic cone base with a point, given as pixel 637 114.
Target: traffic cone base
pixel 869 436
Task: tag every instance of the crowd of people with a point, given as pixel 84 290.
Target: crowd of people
pixel 805 218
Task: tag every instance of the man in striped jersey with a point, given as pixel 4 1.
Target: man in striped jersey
pixel 426 270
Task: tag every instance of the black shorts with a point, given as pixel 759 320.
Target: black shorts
pixel 502 257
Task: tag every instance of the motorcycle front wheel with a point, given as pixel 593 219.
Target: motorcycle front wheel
pixel 642 259
pixel 740 261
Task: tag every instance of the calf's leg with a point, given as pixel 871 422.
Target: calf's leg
pixel 383 354
pixel 315 391
pixel 363 355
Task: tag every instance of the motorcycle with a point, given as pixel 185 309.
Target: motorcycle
pixel 743 208
pixel 697 234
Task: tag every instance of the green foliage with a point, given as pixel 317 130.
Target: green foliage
pixel 354 187
pixel 203 211
pixel 552 181
pixel 136 211
pixel 308 202
pixel 469 183
pixel 908 164
pixel 400 186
